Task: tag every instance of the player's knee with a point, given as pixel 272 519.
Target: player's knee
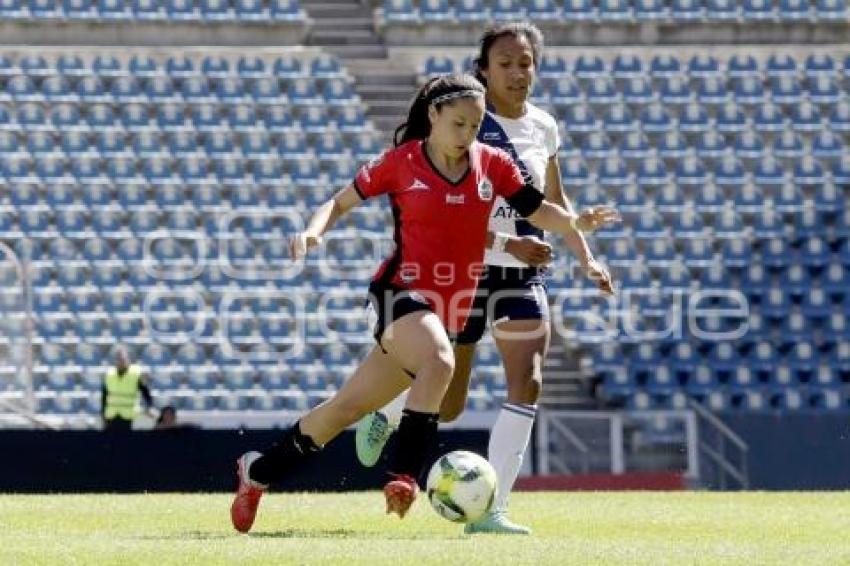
pixel 440 365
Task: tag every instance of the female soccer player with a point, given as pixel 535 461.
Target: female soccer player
pixel 442 185
pixel 512 290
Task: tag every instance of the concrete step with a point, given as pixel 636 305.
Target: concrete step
pixel 383 91
pixel 388 108
pixel 344 25
pixel 329 8
pixel 380 68
pixel 342 37
pixel 359 53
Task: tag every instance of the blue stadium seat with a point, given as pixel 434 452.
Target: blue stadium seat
pixel 651 10
pixel 673 146
pixel 399 11
pixel 697 253
pixel 655 119
pixel 664 65
pixel 286 11
pixel 694 118
pixel 626 66
pixel 613 172
pixel 637 90
pixel 775 254
pixel 758 10
pixel 748 90
pixel 589 67
pixel 832 10
pixel 659 253
pixel 579 10
pixel 788 145
pixel 436 11
pixel 722 10
pixel 823 89
pixel 689 224
pixel 615 10
pixel 741 65
pixel 543 10
pixel 806 117
pixel 711 145
pixel 827 145
pixel 768 224
pixel 149 10
pixel 769 172
pixel 635 146
pixel 687 10
pixel 580 119
pixel 507 10
pixel 731 118
pixel 712 91
pixel 601 92
pixel 819 63
pixel 652 172
pixel 675 90
pixel 749 146
pixel 565 92
pixel 440 64
pixel 730 173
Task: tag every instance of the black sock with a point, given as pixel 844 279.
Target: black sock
pixel 291 451
pixel 414 439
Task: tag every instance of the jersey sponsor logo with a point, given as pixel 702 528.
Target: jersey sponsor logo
pixel 506 212
pixel 491 136
pixel 455 199
pixel 485 189
pixel 417 185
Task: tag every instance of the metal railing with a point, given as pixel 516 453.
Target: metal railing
pixel 726 463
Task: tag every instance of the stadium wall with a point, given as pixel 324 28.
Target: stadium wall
pixel 796 451
pixel 181 460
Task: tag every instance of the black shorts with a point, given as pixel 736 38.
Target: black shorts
pixel 506 293
pixel 390 303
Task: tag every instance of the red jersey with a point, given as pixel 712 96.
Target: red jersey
pixel 441 226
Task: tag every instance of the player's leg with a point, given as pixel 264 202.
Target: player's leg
pixel 522 336
pixel 455 399
pixel 419 343
pixel 376 428
pixel 375 381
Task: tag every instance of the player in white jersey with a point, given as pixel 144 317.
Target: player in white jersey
pixel 512 290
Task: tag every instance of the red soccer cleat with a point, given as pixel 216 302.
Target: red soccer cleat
pixel 400 493
pixel 243 510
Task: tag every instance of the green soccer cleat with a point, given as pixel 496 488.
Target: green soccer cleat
pixel 495 523
pixel 373 431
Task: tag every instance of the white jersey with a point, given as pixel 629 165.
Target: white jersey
pixel 531 140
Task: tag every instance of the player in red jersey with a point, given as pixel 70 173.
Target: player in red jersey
pixel 441 184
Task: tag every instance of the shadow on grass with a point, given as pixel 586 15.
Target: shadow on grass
pixel 349 534
pixel 300 533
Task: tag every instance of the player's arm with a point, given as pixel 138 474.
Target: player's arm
pixel 554 193
pixel 548 216
pixel 322 221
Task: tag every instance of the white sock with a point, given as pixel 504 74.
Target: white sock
pixel 508 441
pixel 393 409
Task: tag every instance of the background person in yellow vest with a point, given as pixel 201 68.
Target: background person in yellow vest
pixel 121 388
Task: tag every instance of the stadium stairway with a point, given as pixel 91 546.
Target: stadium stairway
pixel 346 29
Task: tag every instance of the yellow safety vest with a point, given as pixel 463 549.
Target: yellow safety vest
pixel 122 393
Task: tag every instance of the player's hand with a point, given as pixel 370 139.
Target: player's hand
pixel 300 243
pixel 598 273
pixel 530 250
pixel 594 218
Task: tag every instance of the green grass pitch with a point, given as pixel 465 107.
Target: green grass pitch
pixel 569 528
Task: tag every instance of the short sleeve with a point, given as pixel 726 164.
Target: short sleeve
pixel 509 183
pixel 375 178
pixel 506 177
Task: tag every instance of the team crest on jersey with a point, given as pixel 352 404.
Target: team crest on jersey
pixel 485 189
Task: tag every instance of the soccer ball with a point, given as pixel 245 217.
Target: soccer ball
pixel 461 486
